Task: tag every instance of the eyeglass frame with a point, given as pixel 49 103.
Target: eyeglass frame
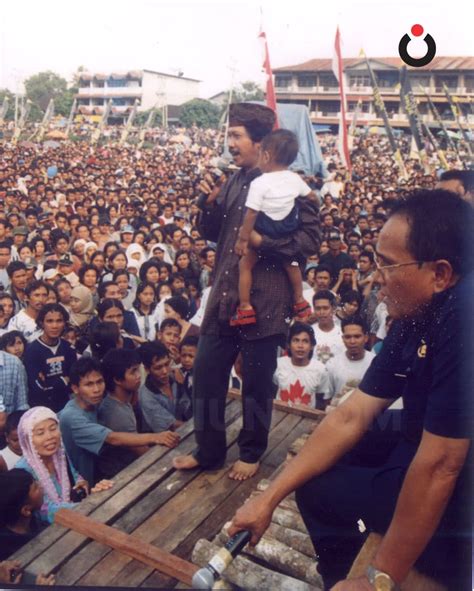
pixel 382 268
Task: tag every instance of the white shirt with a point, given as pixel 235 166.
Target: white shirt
pixel 344 372
pixel 26 325
pixel 300 384
pixel 274 193
pixel 328 344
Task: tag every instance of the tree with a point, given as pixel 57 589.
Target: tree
pixel 44 86
pixel 142 118
pixel 199 112
pixel 248 91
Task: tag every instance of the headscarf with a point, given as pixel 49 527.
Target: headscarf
pixel 133 249
pixel 25 435
pixel 82 293
pixel 164 248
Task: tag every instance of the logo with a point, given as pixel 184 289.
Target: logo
pixel 417 31
pixel 422 350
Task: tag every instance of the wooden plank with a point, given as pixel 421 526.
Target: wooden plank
pixel 278 455
pixel 96 565
pixel 196 501
pixel 295 409
pixel 70 543
pixel 159 559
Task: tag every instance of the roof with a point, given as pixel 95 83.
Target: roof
pixel 132 74
pixel 325 64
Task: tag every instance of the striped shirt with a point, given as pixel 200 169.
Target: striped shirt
pixel 13 384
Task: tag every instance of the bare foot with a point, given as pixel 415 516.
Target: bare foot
pixel 242 470
pixel 185 462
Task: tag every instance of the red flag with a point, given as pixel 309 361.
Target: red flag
pixel 338 70
pixel 270 90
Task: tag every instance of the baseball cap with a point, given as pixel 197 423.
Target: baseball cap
pixel 127 229
pixel 30 263
pixel 50 274
pixel 334 236
pixel 20 231
pixel 66 259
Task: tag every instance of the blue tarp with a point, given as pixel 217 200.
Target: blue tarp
pixel 296 119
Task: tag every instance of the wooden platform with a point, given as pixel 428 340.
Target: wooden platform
pixel 169 509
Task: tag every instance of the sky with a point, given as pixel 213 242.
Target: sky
pixel 214 41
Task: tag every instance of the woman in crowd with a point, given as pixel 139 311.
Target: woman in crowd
pixel 110 310
pixel 144 308
pixel 177 307
pixel 82 308
pixel 13 342
pixel 44 457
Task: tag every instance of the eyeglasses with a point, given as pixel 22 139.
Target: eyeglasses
pixel 383 268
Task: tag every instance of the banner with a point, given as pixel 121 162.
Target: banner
pixel 128 126
pixel 48 115
pixel 103 122
pixel 4 110
pixel 439 151
pixel 408 102
pixel 71 117
pixel 455 112
pixel 353 127
pixel 270 90
pixel 381 112
pixel 148 124
pixel 338 69
pixel 439 121
pixel 25 111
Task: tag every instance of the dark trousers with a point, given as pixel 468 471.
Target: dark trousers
pixel 332 504
pixel 214 360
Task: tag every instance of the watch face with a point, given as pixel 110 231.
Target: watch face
pixel 383 582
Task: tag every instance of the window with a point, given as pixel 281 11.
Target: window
pixel 115 83
pixel 119 102
pixel 282 81
pixel 417 81
pixel 134 83
pixel 450 81
pixel 359 80
pixel 328 81
pixel 307 81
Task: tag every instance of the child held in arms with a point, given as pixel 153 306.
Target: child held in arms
pixel 271 211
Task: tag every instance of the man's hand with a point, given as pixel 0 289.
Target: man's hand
pixel 82 484
pixel 241 247
pixel 359 584
pixel 178 376
pixel 9 568
pixel 167 438
pixel 255 515
pixel 210 187
pixel 48 580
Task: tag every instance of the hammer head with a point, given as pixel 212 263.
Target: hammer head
pixel 203 579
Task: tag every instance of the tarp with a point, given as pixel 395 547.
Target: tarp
pixel 296 118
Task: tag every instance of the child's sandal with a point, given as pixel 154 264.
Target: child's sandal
pixel 243 317
pixel 301 310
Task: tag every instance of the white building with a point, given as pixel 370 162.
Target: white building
pixel 150 88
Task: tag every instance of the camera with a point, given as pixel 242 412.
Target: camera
pixel 77 495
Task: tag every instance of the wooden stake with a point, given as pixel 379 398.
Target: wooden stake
pixel 159 559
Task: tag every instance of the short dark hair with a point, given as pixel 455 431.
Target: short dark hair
pixel 8 339
pixel 103 285
pixel 115 364
pixel 34 285
pixel 15 266
pixel 298 328
pixel 152 350
pixel 169 322
pixel 258 120
pixel 282 145
pixel 15 486
pixel 13 419
pixel 103 337
pixel 87 267
pixel 189 341
pixel 52 308
pixel 5 244
pixel 81 368
pixel 356 319
pixel 322 269
pixel 440 227
pixel 351 295
pixel 368 254
pixel 107 304
pixel 465 177
pixel 325 294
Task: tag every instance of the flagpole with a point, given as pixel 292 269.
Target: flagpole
pixel 338 70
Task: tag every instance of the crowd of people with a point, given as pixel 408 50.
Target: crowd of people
pixel 106 274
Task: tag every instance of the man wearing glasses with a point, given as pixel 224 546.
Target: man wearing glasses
pixel 419 497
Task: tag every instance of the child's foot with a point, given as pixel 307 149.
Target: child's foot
pixel 301 310
pixel 243 470
pixel 243 316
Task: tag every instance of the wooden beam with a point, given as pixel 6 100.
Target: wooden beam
pixel 295 409
pixel 159 559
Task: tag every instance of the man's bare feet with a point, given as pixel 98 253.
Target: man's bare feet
pixel 242 470
pixel 188 462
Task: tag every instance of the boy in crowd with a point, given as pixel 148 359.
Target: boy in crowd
pixel 82 434
pixel 300 378
pixel 347 369
pixel 36 294
pixel 169 333
pixel 328 334
pixel 271 211
pixel 184 374
pixel 158 397
pixel 10 454
pixel 117 411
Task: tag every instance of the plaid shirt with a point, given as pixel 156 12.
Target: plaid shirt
pixel 13 384
pixel 271 291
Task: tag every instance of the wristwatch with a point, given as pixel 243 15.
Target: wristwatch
pixel 380 580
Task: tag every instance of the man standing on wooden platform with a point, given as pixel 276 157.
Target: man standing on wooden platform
pixel 223 209
pixel 420 496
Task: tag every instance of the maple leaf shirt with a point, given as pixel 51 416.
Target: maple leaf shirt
pixel 300 384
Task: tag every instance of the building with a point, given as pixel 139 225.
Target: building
pixel 313 83
pixel 149 88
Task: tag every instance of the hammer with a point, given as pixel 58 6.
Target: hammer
pixel 206 577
